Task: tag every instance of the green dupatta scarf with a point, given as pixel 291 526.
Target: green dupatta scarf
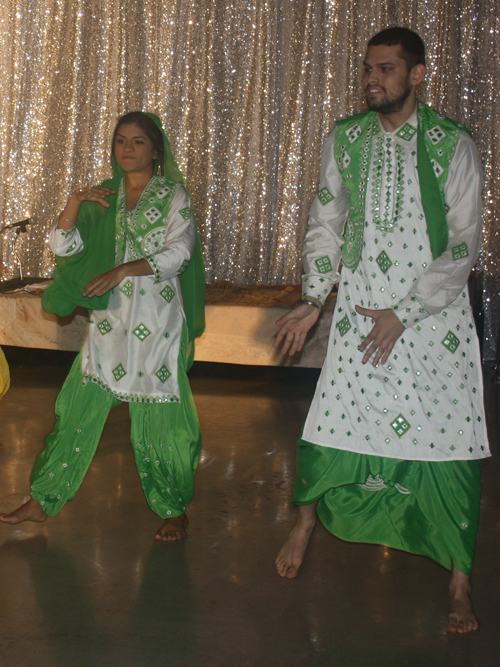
pixel 96 226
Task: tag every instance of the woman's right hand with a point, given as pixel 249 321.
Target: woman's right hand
pixel 67 218
pixel 96 193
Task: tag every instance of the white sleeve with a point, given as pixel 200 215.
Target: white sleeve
pixel 322 249
pixel 65 243
pixel 444 279
pixel 172 259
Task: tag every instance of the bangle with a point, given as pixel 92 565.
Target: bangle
pixel 308 302
pixel 70 221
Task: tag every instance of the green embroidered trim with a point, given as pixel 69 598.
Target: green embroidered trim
pixel 324 264
pixel 407 132
pixel 119 372
pixel 163 374
pixel 400 425
pixel 395 182
pixel 460 251
pixel 156 268
pixel 343 325
pixel 186 213
pixel 141 331
pixel 104 327
pixel 128 289
pixel 384 262
pixel 451 342
pixel 142 231
pixel 167 293
pixel 325 196
pixel 131 398
pixel 67 232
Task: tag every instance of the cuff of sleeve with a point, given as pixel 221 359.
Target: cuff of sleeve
pixel 157 276
pixel 317 287
pixel 410 311
pixel 66 233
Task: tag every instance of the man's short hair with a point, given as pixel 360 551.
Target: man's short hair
pixel 412 47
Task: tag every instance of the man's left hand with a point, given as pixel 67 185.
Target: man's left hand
pixel 382 338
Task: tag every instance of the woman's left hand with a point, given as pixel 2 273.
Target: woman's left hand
pixel 104 282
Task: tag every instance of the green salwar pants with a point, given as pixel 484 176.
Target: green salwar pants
pixel 166 441
pixel 427 508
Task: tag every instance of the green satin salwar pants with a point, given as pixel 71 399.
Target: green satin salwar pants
pixel 165 437
pixel 427 508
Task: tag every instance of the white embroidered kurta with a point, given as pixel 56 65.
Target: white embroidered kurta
pixel 426 402
pixel 132 347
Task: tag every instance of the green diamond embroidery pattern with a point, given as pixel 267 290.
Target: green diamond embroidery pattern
pixel 141 331
pixel 344 160
pixel 460 251
pixel 152 214
pixel 184 266
pixel 451 342
pixel 186 213
pixel 435 134
pixel 384 262
pixel 128 289
pixel 324 264
pixel 438 169
pixel 400 425
pixel 325 196
pixel 119 372
pixel 167 293
pixel 343 325
pixel 407 132
pixel 353 132
pixel 163 374
pixel 104 327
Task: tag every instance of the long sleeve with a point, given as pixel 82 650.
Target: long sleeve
pixel 65 243
pixel 173 257
pixel 444 279
pixel 322 249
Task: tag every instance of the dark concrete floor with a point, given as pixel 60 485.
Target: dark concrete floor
pixel 90 588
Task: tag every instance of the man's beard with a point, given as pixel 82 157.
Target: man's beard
pixel 387 106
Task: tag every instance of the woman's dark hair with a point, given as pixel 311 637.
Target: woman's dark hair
pixel 412 48
pixel 150 129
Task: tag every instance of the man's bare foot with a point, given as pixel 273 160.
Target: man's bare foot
pixel 292 552
pixel 30 511
pixel 461 618
pixel 172 529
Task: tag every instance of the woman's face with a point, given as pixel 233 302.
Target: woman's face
pixel 134 150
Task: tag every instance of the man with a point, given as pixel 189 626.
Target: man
pixel 389 451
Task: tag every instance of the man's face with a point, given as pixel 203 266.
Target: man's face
pixel 386 80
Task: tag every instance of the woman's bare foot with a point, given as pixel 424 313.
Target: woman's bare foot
pixel 30 511
pixel 292 552
pixel 172 529
pixel 461 618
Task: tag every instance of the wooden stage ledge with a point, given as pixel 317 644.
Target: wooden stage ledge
pixel 239 325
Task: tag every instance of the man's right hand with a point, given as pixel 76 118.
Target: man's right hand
pixel 294 328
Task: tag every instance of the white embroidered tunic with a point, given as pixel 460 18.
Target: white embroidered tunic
pixel 426 402
pixel 132 347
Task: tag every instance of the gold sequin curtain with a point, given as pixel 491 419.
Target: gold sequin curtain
pixel 247 90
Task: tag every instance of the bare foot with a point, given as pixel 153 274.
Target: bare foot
pixel 461 618
pixel 292 552
pixel 172 529
pixel 30 511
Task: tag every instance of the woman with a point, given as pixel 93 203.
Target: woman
pixel 122 248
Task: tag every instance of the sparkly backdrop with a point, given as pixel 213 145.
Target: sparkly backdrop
pixel 247 90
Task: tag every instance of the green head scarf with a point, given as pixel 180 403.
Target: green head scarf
pixel 96 226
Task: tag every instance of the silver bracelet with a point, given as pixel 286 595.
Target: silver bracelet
pixel 308 302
